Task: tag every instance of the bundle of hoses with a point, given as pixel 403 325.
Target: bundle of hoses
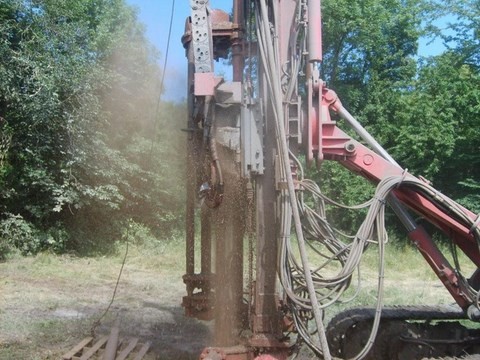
pixel 311 289
pixel 348 254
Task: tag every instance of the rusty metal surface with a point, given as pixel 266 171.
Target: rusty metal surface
pixel 224 34
pixel 90 349
pixel 199 301
pixel 239 352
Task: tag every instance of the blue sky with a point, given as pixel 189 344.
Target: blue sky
pixel 155 14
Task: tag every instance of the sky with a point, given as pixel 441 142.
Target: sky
pixel 155 14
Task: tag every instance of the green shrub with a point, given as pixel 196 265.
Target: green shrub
pixel 16 232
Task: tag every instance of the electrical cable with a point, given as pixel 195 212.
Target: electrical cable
pixel 270 50
pixel 310 290
pixel 296 279
pixel 172 13
pixel 157 109
pixel 162 79
pixel 107 309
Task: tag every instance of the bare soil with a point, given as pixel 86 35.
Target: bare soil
pixel 48 304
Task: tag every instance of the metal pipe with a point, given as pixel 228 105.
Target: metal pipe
pixel 315 31
pixel 277 106
pixel 365 135
pixel 191 171
pixel 406 219
pixel 190 216
pixel 206 241
pixel 237 42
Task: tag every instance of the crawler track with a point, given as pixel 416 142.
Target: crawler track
pixel 413 332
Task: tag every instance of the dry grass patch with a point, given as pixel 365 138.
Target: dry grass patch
pixel 49 303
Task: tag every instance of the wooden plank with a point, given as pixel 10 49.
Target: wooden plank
pixel 90 349
pixel 77 348
pixel 112 344
pixel 94 348
pixel 143 351
pixel 125 352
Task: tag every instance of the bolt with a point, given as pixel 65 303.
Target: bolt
pixel 368 159
pixel 350 147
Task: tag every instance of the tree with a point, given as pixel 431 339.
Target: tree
pixel 423 111
pixel 78 95
pixel 369 60
pixel 439 135
pixel 369 45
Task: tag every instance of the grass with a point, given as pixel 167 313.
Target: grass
pixel 408 280
pixel 50 302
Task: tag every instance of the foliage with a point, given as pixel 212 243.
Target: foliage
pixel 462 31
pixel 87 148
pixel 452 82
pixel 424 111
pixel 369 60
pixel 369 48
pixel 443 143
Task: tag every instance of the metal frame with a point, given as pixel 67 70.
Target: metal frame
pixel 210 36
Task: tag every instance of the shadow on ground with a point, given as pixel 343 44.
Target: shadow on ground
pixel 173 335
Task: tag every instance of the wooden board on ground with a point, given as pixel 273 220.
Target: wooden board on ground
pixel 88 349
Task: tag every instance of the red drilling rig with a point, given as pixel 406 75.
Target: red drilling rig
pixel 247 193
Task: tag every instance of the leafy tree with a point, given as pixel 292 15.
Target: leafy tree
pixel 462 33
pixel 439 135
pixel 369 47
pixel 369 60
pixel 423 111
pixel 78 99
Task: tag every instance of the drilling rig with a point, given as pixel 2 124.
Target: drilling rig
pixel 261 258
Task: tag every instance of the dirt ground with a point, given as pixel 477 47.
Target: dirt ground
pixel 49 304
